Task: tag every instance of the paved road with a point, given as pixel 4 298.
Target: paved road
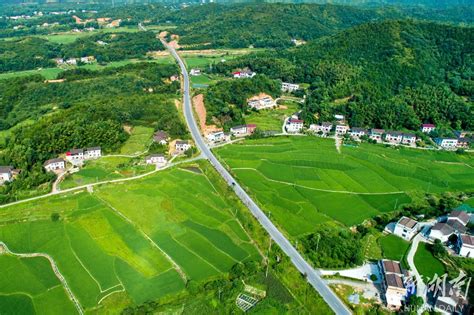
pixel 312 275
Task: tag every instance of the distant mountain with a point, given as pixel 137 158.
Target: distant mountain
pixel 428 3
pixel 274 25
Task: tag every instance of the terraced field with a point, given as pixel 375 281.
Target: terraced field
pixel 304 181
pixel 121 245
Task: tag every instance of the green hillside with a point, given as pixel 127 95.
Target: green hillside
pixel 392 74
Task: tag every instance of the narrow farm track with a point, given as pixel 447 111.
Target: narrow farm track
pixel 320 189
pixel 312 276
pixel 56 271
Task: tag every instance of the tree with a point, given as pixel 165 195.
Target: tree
pixel 438 248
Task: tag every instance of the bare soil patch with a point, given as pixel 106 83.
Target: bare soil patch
pixel 198 102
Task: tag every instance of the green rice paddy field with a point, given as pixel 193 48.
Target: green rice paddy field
pixel 304 181
pixel 121 245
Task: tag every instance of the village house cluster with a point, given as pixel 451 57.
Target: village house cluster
pixel 75 61
pixel 259 102
pixel 239 131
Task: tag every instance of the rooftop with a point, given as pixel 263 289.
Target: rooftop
pixel 444 228
pixel 391 266
pixel 407 222
pixel 6 169
pixel 51 161
pixel 394 280
pixel 461 215
pixel 467 239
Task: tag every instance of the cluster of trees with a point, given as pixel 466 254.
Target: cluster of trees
pixel 333 247
pixel 393 74
pixel 29 97
pixel 33 52
pixel 117 46
pixel 88 109
pixel 226 101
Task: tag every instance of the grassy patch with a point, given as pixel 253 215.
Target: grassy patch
pixel 271 119
pixel 426 264
pixel 48 73
pixel 138 141
pixel 393 247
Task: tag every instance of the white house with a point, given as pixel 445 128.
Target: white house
pixel 341 129
pixel 88 59
pixel 447 143
pixel 243 74
pixel 294 125
pixel 75 156
pixel 427 128
pixel 155 159
pixel 52 165
pixel 441 231
pixel 243 130
pixel 324 128
pixel 466 245
pixel 6 174
pixel 393 284
pixel 356 132
pixel 394 137
pixel 289 87
pixel 71 61
pixel 261 102
pixel 182 146
pixel 92 153
pixel 406 228
pixel 376 134
pixel 408 139
pixel 218 136
pixel 195 72
pixel 161 137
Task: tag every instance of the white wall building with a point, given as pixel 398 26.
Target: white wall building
pixel 92 153
pixel 427 128
pixel 406 228
pixel 447 143
pixel 441 231
pixel 289 87
pixel 195 72
pixel 6 174
pixel 294 125
pixel 261 103
pixel 341 129
pixel 376 134
pixel 182 146
pixel 155 159
pixel 54 165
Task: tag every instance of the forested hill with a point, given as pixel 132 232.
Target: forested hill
pixel 392 74
pixel 266 25
pixel 274 25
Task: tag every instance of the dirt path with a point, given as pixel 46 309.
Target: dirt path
pixel 319 189
pixel 338 143
pixel 89 186
pixel 56 271
pixel 200 109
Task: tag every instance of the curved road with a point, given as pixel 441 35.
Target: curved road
pixel 312 275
